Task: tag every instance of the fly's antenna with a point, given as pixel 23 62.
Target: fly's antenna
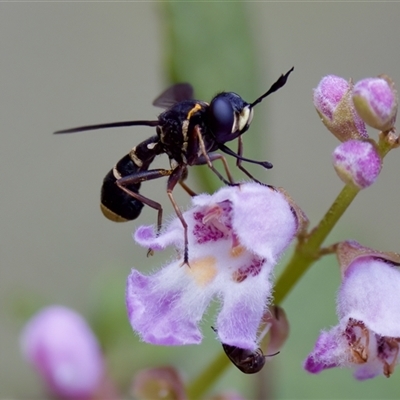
pixel 275 86
pixel 108 125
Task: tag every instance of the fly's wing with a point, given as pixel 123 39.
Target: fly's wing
pixel 174 94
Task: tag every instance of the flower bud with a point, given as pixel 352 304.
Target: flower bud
pixel 227 396
pixel 278 324
pixel 375 100
pixel 60 345
pixel 158 383
pixel 357 163
pixel 332 100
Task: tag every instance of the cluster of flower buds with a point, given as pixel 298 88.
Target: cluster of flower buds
pixel 345 109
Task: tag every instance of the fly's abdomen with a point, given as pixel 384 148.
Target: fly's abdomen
pixel 116 204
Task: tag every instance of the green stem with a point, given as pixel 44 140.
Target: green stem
pixel 205 380
pixel 307 251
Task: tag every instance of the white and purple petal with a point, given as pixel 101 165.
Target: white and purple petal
pixel 235 238
pixel 370 292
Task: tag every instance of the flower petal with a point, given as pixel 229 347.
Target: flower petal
pixel 368 370
pixel 370 293
pixel 243 306
pixel 263 220
pixel 327 352
pixel 158 307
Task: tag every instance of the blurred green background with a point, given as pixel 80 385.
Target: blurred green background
pixel 70 64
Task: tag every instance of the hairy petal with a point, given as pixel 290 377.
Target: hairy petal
pixel 371 293
pixel 242 310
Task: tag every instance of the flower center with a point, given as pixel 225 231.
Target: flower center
pixel 203 270
pixel 213 223
pixel 360 338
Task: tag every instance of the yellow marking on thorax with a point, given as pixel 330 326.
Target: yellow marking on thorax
pixel 185 123
pixel 196 108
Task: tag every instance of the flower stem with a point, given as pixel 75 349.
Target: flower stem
pixel 307 251
pixel 205 380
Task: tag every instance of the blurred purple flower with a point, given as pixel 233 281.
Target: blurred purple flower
pixel 235 239
pixel 60 345
pixel 368 306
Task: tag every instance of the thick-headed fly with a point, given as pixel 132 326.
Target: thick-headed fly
pixel 189 132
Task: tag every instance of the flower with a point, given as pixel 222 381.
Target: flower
pixel 375 100
pixel 357 162
pixel 332 100
pixel 368 306
pixel 158 383
pixel 235 239
pixel 60 345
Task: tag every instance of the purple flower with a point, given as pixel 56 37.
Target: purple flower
pixel 235 239
pixel 60 345
pixel 375 100
pixel 357 163
pixel 368 306
pixel 332 100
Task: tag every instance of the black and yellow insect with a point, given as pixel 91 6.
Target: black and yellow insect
pixel 189 132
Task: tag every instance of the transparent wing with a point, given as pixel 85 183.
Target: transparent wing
pixel 174 94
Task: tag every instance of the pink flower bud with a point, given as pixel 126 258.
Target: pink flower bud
pixel 357 163
pixel 332 100
pixel 375 100
pixel 158 383
pixel 279 328
pixel 227 396
pixel 60 345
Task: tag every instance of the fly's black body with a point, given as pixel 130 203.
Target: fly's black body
pixel 189 132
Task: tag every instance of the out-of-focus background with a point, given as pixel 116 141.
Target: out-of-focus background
pixel 70 64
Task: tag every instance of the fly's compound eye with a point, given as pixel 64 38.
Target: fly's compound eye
pixel 222 118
